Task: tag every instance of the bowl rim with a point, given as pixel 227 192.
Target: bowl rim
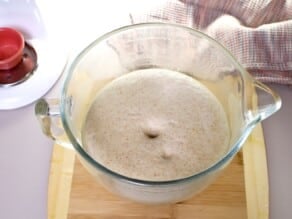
pixel 84 155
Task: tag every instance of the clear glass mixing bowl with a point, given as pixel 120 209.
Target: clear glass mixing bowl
pixel 156 45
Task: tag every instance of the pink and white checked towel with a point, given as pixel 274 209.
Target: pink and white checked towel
pixel 257 32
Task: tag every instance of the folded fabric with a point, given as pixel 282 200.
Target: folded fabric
pixel 257 32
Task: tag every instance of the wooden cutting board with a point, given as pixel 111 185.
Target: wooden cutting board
pixel 240 192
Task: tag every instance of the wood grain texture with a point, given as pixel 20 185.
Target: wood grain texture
pixel 60 180
pixel 256 175
pixel 224 199
pixel 240 192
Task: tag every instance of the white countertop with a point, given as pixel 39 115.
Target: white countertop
pixel 278 137
pixel 26 152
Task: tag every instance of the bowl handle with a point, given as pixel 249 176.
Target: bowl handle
pixel 268 101
pixel 48 114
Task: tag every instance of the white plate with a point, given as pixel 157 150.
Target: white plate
pixel 51 60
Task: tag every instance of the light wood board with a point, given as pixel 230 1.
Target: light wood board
pixel 240 192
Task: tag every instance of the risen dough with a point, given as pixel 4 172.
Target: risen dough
pixel 156 124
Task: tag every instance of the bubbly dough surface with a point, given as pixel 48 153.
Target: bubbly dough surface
pixel 156 124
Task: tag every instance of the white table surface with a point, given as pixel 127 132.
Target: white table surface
pixel 25 152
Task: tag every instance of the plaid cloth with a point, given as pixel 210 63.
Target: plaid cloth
pixel 257 32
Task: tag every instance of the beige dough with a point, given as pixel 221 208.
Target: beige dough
pixel 156 124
